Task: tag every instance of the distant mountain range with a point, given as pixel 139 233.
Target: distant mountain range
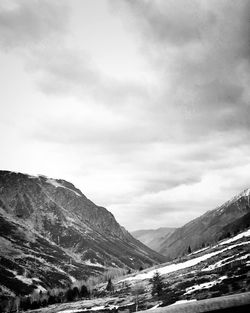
pixel 51 235
pixel 153 238
pixel 224 221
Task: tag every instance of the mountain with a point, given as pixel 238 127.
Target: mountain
pixel 51 235
pixel 214 271
pixel 214 279
pixel 214 225
pixel 153 238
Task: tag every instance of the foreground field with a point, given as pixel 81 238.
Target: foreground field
pixel 234 303
pixel 213 278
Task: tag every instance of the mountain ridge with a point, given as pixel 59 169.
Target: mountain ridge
pixel 153 237
pixel 207 228
pixel 49 228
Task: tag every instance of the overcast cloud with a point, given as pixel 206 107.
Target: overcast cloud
pixel 143 105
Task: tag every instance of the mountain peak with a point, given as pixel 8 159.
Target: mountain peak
pixel 244 193
pixel 49 229
pixel 209 227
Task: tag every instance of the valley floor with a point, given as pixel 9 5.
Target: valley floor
pixel 214 278
pixel 233 303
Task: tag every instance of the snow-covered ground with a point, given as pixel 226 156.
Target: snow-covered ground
pixel 93 305
pixel 95 308
pixel 185 286
pixel 237 237
pixel 57 184
pixel 192 262
pixel 200 250
pixel 89 263
pixel 205 285
pixel 29 281
pixel 183 301
pixel 225 262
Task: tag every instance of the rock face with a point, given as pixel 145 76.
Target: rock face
pixel 207 229
pixel 153 238
pixel 51 234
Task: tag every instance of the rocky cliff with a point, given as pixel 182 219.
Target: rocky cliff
pixel 51 234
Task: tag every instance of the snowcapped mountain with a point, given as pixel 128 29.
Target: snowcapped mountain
pixel 51 235
pixel 224 221
pixel 153 238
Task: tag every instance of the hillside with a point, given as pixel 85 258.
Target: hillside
pixel 153 238
pixel 218 270
pixel 226 220
pixel 51 235
pixel 213 278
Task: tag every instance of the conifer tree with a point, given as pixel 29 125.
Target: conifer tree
pixel 158 284
pixel 110 286
pixel 84 293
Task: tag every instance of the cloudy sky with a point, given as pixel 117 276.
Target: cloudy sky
pixel 143 105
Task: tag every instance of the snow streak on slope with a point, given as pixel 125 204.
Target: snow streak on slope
pixel 57 184
pixel 244 193
pixel 225 262
pixel 192 262
pixel 205 285
pixel 239 236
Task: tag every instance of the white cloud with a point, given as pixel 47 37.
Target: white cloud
pixel 158 136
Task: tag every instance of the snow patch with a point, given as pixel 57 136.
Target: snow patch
pixel 95 308
pixel 30 281
pixel 89 263
pixel 156 306
pixel 204 285
pixel 200 250
pixel 26 280
pixel 7 291
pixel 179 266
pixel 72 278
pixel 218 264
pixel 56 184
pixel 239 236
pixel 39 288
pixel 183 301
pixel 245 193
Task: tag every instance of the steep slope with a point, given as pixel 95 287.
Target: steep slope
pixel 153 238
pixel 220 269
pixel 236 226
pixel 207 228
pixel 51 234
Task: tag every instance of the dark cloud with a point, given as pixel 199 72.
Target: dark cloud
pixel 161 151
pixel 28 22
pixel 176 22
pixel 201 50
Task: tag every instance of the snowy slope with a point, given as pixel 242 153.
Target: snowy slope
pixel 226 220
pixel 173 267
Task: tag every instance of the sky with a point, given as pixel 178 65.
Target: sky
pixel 143 105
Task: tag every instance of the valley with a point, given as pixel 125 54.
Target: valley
pixel 51 235
pixel 205 277
pixel 62 253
